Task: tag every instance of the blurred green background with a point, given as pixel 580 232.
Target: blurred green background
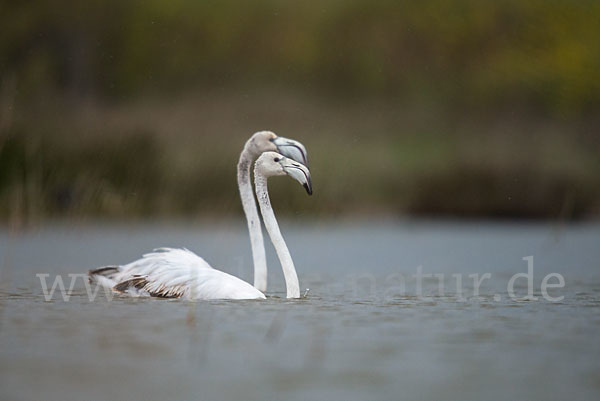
pixel 139 109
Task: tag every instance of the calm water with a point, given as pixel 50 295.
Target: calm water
pixel 362 332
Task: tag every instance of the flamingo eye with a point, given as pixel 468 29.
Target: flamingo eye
pixel 276 160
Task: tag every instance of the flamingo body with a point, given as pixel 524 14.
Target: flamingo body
pixel 174 273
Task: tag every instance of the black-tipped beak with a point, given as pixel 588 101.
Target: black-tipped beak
pixel 300 173
pixel 308 187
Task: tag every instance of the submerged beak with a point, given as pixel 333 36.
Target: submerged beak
pixel 292 149
pixel 299 172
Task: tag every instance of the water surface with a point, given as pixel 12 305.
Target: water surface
pixel 362 332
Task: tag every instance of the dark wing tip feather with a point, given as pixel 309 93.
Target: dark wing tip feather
pixel 140 283
pixel 104 271
pixel 136 282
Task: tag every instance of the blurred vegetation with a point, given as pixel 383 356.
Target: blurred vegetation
pixel 139 108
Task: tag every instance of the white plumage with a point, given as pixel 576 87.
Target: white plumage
pixel 176 273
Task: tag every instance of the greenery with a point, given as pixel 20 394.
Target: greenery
pixel 139 108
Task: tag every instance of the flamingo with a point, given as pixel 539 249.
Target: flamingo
pixel 180 273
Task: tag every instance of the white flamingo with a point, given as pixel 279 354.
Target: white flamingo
pixel 260 142
pixel 175 273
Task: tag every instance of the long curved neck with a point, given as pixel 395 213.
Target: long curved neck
pixel 251 212
pixel 287 264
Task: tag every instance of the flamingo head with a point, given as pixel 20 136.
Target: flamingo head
pixel 271 164
pixel 267 141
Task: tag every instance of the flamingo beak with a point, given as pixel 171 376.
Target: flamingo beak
pixel 292 149
pixel 300 173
